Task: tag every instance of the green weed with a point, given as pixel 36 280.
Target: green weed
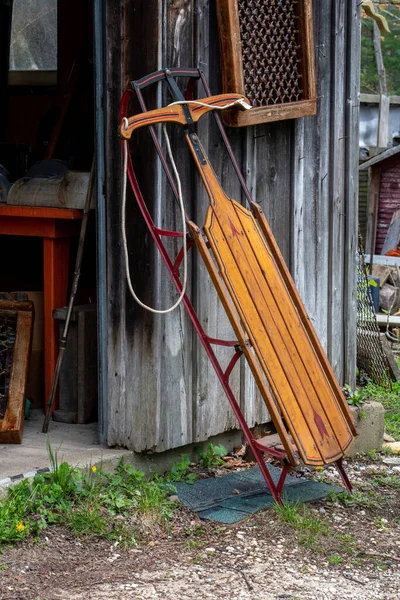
pixel 212 457
pixel 391 481
pixel 353 397
pixel 335 559
pixel 179 471
pixel 373 455
pixel 381 523
pixel 359 499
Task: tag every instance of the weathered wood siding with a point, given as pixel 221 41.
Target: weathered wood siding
pixel 162 390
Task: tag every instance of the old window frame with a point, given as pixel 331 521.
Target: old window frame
pixel 18 76
pixel 233 75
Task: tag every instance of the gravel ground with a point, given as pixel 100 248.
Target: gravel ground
pixel 261 558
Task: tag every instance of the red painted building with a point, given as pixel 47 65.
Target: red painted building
pixel 384 196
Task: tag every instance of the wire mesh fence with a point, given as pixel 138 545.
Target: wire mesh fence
pixel 370 355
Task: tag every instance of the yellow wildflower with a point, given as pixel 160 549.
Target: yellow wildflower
pixel 94 469
pixel 20 527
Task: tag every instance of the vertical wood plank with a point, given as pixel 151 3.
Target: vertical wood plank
pixel 311 177
pixel 117 356
pixel 337 191
pixel 351 185
pixel 210 406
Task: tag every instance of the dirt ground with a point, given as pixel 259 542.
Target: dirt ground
pixel 261 558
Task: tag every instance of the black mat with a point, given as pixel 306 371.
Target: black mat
pixel 235 496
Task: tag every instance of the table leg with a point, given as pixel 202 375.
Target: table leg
pixel 55 272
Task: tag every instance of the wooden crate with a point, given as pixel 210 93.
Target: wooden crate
pixel 12 423
pixel 267 54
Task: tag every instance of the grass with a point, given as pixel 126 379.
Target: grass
pixel 307 524
pixel 335 559
pixel 87 504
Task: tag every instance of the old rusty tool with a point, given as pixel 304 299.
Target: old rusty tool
pixel 77 273
pixel 274 333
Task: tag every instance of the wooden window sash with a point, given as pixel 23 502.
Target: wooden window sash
pixel 233 72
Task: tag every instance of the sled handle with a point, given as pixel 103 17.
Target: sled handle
pixel 174 113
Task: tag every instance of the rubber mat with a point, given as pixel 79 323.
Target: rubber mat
pixel 238 495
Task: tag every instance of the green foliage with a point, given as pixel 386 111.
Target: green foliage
pixel 87 504
pixel 179 471
pixel 390 43
pixel 360 499
pixel 373 454
pixel 354 398
pixel 212 457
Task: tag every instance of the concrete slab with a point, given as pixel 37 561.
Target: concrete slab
pixel 76 444
pixel 370 422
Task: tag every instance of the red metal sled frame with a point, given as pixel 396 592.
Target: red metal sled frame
pixel 173 268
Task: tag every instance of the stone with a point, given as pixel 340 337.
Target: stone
pixel 393 447
pixel 392 461
pixel 388 438
pixel 370 422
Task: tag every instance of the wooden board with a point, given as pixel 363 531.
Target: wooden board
pixel 392 240
pixel 11 426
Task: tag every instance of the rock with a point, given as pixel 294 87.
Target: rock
pixel 388 438
pixel 392 460
pixel 174 499
pixel 393 447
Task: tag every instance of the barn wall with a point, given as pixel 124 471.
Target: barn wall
pixel 389 198
pixel 162 390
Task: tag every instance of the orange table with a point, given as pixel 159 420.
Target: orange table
pixel 56 226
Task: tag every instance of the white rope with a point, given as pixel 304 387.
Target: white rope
pixel 124 240
pixel 125 122
pixel 239 102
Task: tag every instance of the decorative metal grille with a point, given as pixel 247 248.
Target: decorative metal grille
pixel 370 354
pixel 270 51
pixel 8 327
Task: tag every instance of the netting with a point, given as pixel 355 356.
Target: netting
pixel 370 355
pixel 270 51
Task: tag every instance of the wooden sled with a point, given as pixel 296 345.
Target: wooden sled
pixel 274 333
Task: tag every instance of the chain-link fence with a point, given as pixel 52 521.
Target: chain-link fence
pixel 370 354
